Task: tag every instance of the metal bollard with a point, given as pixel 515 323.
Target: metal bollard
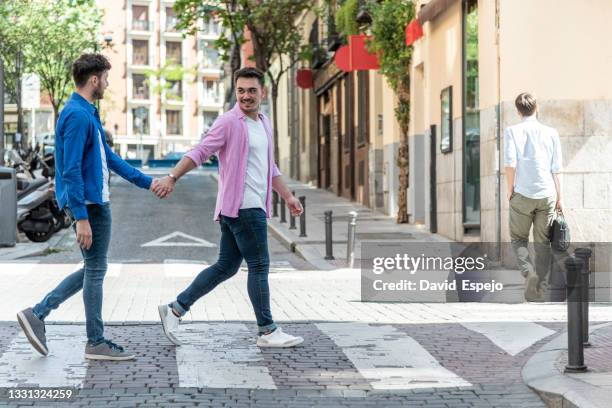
pixel 303 217
pixel 291 217
pixel 274 204
pixel 329 250
pixel 584 254
pixel 575 346
pixel 350 243
pixel 283 210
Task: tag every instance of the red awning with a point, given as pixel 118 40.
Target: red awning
pixel 304 78
pixel 355 56
pixel 414 31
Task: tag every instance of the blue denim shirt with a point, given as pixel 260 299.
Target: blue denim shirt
pixel 78 162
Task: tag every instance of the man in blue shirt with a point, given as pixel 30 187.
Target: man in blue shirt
pixel 83 160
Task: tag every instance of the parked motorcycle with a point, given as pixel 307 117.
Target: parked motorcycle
pixel 38 214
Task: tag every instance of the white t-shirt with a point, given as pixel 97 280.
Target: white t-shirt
pixel 105 174
pixel 256 180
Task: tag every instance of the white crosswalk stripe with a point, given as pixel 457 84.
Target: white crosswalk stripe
pixel 220 355
pixel 64 366
pixel 388 358
pixel 512 337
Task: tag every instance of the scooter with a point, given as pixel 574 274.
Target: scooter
pixel 38 214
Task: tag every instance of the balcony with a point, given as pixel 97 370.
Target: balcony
pixel 142 25
pixel 211 101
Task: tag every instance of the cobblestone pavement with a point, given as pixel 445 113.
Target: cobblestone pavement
pixel 339 364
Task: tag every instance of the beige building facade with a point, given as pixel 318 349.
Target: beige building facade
pixel 149 112
pixel 474 58
pixel 340 134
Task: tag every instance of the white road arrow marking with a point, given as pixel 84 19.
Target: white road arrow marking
pixel 191 241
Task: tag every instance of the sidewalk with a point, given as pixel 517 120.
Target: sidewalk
pixel 544 372
pixel 25 248
pixel 371 225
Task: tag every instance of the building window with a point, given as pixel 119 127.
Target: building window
pixel 211 91
pixel 174 52
pixel 140 18
pixel 471 118
pixel 171 20
pixel 140 120
pixel 140 89
pixel 208 120
pixel 210 55
pixel 211 27
pixel 446 125
pixel 173 122
pixel 175 90
pixel 140 52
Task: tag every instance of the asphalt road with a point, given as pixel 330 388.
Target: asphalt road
pixel 140 218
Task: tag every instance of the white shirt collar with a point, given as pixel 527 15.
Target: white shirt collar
pixel 530 118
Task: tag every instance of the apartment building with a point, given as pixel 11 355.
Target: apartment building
pixel 152 107
pixel 474 58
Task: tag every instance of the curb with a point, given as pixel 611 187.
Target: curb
pixel 24 250
pixel 556 389
pixel 310 255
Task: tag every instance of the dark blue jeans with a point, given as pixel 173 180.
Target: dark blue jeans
pixel 243 237
pixel 90 278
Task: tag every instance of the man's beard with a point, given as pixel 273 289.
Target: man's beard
pixel 98 93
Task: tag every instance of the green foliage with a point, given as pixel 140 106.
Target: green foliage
pixel 50 34
pixel 346 18
pixel 160 80
pixel 389 21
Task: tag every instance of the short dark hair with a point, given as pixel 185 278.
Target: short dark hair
pixel 250 72
pixel 526 104
pixel 87 65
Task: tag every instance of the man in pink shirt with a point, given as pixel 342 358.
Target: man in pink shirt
pixel 242 138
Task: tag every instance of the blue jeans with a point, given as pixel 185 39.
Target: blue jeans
pixel 90 278
pixel 243 237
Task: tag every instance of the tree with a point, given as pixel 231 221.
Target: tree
pixel 63 30
pixel 162 82
pixel 15 26
pixel 50 35
pixel 273 29
pixel 389 20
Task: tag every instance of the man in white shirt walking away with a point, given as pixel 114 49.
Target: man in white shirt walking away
pixel 532 158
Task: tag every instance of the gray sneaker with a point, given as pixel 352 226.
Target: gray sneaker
pixel 107 350
pixel 34 329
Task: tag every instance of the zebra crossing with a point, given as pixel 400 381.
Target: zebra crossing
pixel 215 355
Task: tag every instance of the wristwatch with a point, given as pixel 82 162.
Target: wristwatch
pixel 173 177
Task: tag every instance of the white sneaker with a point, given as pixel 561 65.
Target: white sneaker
pixel 170 323
pixel 278 339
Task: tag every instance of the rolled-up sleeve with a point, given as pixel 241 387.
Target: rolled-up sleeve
pixel 556 164
pixel 509 150
pixel 275 171
pixel 210 144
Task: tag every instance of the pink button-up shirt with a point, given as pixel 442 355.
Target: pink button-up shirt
pixel 229 137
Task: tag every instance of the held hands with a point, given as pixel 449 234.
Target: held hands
pixel 295 206
pixel 163 187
